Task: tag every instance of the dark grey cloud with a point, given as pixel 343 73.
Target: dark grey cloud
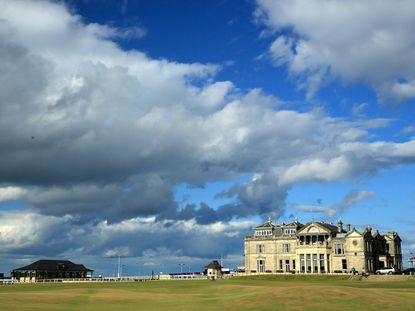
pixel 149 195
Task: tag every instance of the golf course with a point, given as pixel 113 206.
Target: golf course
pixel 247 293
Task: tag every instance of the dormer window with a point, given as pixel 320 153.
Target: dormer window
pixel 263 232
pixel 289 231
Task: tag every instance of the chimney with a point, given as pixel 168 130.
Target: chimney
pixel 348 227
pixel 339 226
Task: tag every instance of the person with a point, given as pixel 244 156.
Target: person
pixel 353 271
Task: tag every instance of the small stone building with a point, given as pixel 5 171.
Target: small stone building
pixel 214 270
pixel 50 269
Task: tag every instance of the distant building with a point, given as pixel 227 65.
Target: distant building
pixel 181 276
pixel 318 247
pixel 50 269
pixel 214 270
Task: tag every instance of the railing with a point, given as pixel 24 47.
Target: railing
pixel 318 243
pixel 83 280
pixel 8 282
pixel 104 279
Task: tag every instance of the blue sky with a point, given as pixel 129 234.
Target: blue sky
pixel 163 131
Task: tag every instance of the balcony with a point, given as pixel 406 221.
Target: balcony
pixel 318 244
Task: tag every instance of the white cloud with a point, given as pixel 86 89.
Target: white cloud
pixel 364 41
pixel 333 210
pixel 408 129
pixel 118 251
pixel 349 200
pixel 317 169
pixel 11 193
pixel 358 109
pixel 403 90
pixel 27 231
pixel 310 208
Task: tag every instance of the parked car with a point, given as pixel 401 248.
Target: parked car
pixel 408 271
pixel 386 270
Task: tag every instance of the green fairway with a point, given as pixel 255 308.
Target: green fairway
pixel 256 293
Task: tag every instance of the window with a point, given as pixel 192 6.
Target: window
pixel 367 247
pixel 321 262
pixel 315 263
pixel 285 248
pixel 261 265
pixel 280 264
pixel 308 257
pixel 260 248
pixel 293 264
pixel 339 249
pixel 289 231
pixel 287 265
pixel 302 263
pixel 263 232
pixel 344 264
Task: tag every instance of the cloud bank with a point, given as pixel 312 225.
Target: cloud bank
pixel 352 41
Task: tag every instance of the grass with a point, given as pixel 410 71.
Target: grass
pixel 253 293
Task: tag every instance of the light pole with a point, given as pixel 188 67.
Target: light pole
pixel 119 267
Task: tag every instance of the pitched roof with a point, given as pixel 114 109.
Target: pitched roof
pixel 214 265
pixel 295 223
pixel 354 230
pixel 329 227
pixel 54 265
pixel 393 235
pixel 268 224
pixel 377 235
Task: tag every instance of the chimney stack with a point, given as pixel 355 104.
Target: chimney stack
pixel 348 227
pixel 339 226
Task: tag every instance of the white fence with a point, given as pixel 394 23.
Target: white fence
pixel 8 281
pixel 84 280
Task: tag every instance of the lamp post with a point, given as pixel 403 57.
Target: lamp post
pixel 119 267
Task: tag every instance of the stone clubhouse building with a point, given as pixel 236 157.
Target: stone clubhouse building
pixel 319 247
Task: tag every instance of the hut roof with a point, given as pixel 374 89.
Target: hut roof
pixel 214 265
pixel 54 265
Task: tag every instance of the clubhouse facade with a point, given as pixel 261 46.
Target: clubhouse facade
pixel 318 247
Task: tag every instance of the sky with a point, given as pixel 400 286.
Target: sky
pixel 164 131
